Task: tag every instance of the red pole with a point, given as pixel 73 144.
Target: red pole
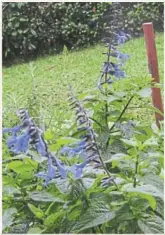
pixel 153 68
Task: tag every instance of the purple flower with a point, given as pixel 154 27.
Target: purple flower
pixel 118 73
pixel 41 147
pixel 121 56
pixel 50 174
pixel 24 116
pixel 107 68
pixel 62 169
pixel 122 37
pixel 77 169
pixel 20 143
pixel 13 130
pixel 73 151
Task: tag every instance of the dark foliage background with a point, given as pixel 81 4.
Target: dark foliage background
pixel 31 29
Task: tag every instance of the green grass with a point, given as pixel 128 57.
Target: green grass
pixel 53 74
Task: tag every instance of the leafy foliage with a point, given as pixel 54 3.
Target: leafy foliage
pixel 35 28
pixel 103 177
pixel 38 28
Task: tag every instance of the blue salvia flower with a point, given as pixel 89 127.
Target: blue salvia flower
pixel 40 147
pixel 50 174
pixel 13 130
pixel 20 143
pixel 121 56
pixel 88 146
pixel 118 73
pixel 11 141
pixel 63 171
pixel 31 135
pixel 122 37
pixel 77 169
pixel 72 151
pixel 110 68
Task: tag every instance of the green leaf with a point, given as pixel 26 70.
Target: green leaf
pixel 64 141
pixel 49 135
pixel 22 19
pixel 124 213
pixel 36 211
pixel 54 218
pixel 132 143
pixel 112 98
pixel 43 196
pixel 14 33
pixel 23 166
pixel 151 142
pixel 10 190
pixel 97 213
pixel 34 230
pixel 145 92
pixel 116 156
pixel 33 32
pixel 144 189
pixel 152 225
pixel 8 217
pixel 154 180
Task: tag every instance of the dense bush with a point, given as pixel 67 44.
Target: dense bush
pixel 31 28
pixel 133 15
pixel 137 14
pixel 39 28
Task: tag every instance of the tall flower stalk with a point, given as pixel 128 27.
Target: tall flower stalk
pixel 89 142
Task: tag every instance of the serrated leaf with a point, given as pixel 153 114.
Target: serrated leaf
pixel 36 211
pixel 44 196
pixel 154 180
pixel 97 213
pixel 124 213
pixel 26 165
pixel 152 225
pixel 144 189
pixel 8 218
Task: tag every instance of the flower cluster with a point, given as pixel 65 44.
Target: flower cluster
pixel 110 69
pixel 27 134
pixel 87 147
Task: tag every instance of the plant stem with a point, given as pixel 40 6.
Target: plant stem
pixel 136 170
pixel 106 92
pixel 96 122
pixel 103 164
pixel 121 114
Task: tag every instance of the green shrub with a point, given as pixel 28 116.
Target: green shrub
pixel 135 14
pixel 32 28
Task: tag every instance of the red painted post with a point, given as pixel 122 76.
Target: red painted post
pixel 153 68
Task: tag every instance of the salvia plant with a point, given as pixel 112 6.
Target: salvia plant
pixel 105 177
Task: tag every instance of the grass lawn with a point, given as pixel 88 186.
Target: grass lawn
pixel 50 79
